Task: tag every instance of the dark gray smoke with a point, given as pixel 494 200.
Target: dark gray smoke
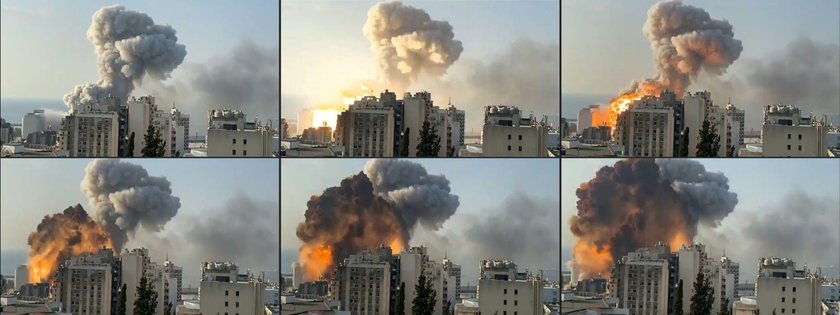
pixel 501 232
pixel 407 42
pixel 525 75
pixel 706 194
pixel 128 46
pixel 124 196
pixel 806 74
pixel 418 196
pixel 799 219
pixel 244 231
pixel 684 40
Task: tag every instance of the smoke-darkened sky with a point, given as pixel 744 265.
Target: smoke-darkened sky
pixel 497 200
pixel 777 199
pixel 228 208
pixel 791 52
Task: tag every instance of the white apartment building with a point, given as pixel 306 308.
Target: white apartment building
pixel 33 122
pixel 418 107
pixel 442 122
pixel 640 282
pixel 90 134
pixel 457 121
pixel 243 297
pixel 364 283
pixel 501 290
pixel 366 129
pixel 21 276
pixel 229 135
pixel 785 133
pixel 734 127
pixel 646 129
pixel 86 284
pixel 176 133
pixel 785 290
pixel 699 107
pixel 507 134
pixel 412 263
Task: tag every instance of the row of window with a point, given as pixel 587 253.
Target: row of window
pixel 244 152
pixel 244 141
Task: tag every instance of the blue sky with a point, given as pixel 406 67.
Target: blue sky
pixel 33 188
pixel 45 52
pixel 761 185
pixel 482 186
pixel 593 31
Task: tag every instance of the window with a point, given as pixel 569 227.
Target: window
pixel 788 136
pixel 226 292
pixel 515 302
pixel 520 137
pixel 508 137
pixel 800 136
pixel 234 151
pixel 783 288
pixel 783 299
pixel 505 291
pixel 520 148
pixel 244 152
pixel 794 289
pixel 788 147
pixel 793 311
pixel 783 311
pixel 237 304
pixel 244 141
pixel 504 302
pixel 234 139
pixel 800 148
pixel 508 148
pixel 237 293
pixel 226 304
pixel 794 300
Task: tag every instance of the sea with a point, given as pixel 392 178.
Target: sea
pixel 11 259
pixel 13 109
pixel 571 104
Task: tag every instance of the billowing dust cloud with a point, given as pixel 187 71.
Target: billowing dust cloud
pixel 380 206
pixel 407 42
pixel 128 46
pixel 684 40
pixel 61 236
pixel 124 196
pixel 639 202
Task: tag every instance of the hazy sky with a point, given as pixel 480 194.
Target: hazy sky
pixel 791 52
pixel 324 51
pixel 207 188
pixel 46 53
pixel 483 187
pixel 765 188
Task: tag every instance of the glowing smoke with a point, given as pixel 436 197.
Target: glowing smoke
pixel 639 202
pixel 61 236
pixel 380 206
pixel 124 196
pixel 406 42
pixel 128 45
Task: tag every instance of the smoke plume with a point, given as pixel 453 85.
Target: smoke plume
pixel 406 42
pixel 128 46
pixel 639 202
pixel 684 40
pixel 61 236
pixel 124 196
pixel 380 206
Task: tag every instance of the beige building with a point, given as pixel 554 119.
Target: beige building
pixel 699 107
pixel 84 286
pixel 363 283
pixel 238 297
pixel 640 282
pixel 90 134
pixel 417 108
pixel 134 265
pixel 646 129
pixel 785 133
pixel 366 129
pixel 785 290
pixel 229 135
pixel 503 290
pixel 507 134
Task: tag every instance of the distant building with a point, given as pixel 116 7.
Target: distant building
pixel 502 289
pixel 176 272
pixel 229 135
pixel 591 116
pixel 33 122
pixel 322 134
pixel 698 108
pixel 786 133
pixel 596 135
pixel 734 127
pixel 7 132
pixel 507 134
pixel 366 129
pixel 94 133
pixel 782 288
pixel 284 128
pixel 224 290
pixel 42 138
pixel 313 290
pixel 21 276
pixel 297 274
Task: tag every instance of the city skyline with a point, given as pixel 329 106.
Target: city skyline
pixel 470 68
pixel 467 234
pixel 798 65
pixel 210 221
pixel 766 220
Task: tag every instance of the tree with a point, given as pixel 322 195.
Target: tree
pixel 451 152
pixel 121 303
pixel 404 143
pixel 168 309
pixel 724 309
pixel 684 143
pixel 129 148
pixel 429 145
pixel 731 151
pixel 424 299
pixel 774 311
pixel 146 302
pixel 709 144
pixel 701 301
pixel 154 143
pixel 678 297
pixel 400 308
pixel 448 306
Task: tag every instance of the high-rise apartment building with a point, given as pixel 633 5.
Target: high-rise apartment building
pixel 366 129
pixel 503 290
pixel 780 287
pixel 230 135
pixel 786 133
pixel 89 283
pixel 641 281
pixel 93 133
pixel 363 283
pixel 176 272
pixel 224 290
pixel 33 122
pixel 506 133
pixel 646 129
pixel 735 127
pixel 698 108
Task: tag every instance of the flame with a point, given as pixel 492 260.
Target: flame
pixel 678 241
pixel 396 246
pixel 52 249
pixel 590 257
pixel 325 117
pixel 316 260
pixel 622 102
pixel 352 97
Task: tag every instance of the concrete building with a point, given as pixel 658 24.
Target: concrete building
pixel 591 116
pixel 284 128
pixel 322 134
pixel 596 135
pixel 785 133
pixel 7 132
pixel 297 272
pixel 134 264
pixel 42 138
pixel 33 122
pixel 785 290
pixel 304 120
pixel 735 127
pixel 747 305
pixel 692 260
pixel 242 296
pixel 646 129
pixel 640 281
pixel 177 131
pixel 732 268
pixel 417 107
pixel 366 129
pixel 830 291
pixel 453 274
pixel 92 133
pixel 364 282
pixel 457 121
pixel 507 134
pixel 230 135
pixel 502 290
pixel 87 284
pixel 21 276
pixel 698 108
pixel 412 262
pixel 176 272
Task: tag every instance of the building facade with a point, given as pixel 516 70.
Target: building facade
pixel 229 135
pixel 646 129
pixel 507 134
pixel 785 133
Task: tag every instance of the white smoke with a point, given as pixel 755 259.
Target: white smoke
pixel 684 40
pixel 128 45
pixel 123 196
pixel 407 42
